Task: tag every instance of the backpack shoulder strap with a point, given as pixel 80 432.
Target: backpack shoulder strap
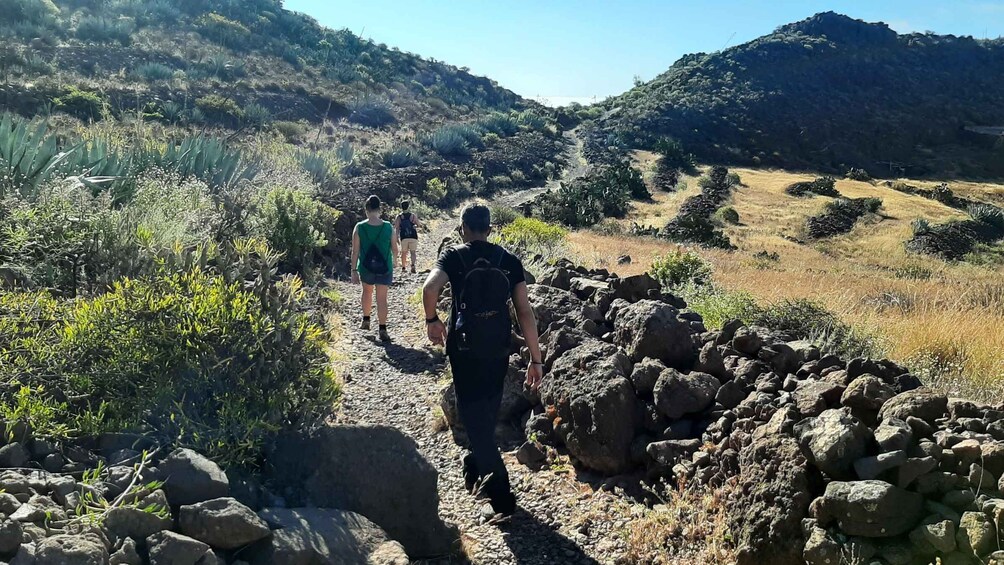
pixel 499 256
pixel 463 257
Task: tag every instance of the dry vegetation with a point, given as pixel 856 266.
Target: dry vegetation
pixel 944 319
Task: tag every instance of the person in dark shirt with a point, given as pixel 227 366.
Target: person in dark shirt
pixel 478 381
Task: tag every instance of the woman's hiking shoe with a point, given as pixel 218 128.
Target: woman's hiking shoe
pixel 365 325
pixel 384 336
pixel 489 516
pixel 413 269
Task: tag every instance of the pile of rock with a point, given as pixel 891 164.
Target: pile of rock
pixel 828 458
pixel 120 507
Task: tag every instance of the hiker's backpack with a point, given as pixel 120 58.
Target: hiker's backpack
pixel 373 259
pixel 483 327
pixel 407 227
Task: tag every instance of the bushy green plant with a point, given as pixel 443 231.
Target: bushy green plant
pixel 987 214
pixel 371 111
pixel 290 131
pixel 255 116
pixel 321 166
pixel 104 30
pixel 81 103
pixel 223 30
pixel 727 215
pixel 499 123
pixel 679 268
pixel 295 225
pixel 672 154
pixel 399 157
pixel 502 214
pixel 153 72
pixel 858 174
pixel 220 108
pixel 527 237
pixel 29 11
pixel 435 190
pixel 453 140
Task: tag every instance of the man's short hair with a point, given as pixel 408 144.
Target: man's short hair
pixel 405 205
pixel 477 218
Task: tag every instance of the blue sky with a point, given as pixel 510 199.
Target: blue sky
pixel 579 50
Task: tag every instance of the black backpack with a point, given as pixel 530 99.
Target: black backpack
pixel 407 227
pixel 373 259
pixel 482 327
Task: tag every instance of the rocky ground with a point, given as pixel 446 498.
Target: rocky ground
pixel 398 384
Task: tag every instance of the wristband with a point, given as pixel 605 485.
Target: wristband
pixel 431 320
pixel 536 363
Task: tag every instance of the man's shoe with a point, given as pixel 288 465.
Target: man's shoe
pixel 365 325
pixel 470 472
pixel 413 269
pixel 384 336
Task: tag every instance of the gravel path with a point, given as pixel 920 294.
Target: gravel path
pixel 398 384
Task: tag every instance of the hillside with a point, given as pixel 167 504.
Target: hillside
pixel 243 69
pixel 827 93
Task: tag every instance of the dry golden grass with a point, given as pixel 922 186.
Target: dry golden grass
pixel 952 319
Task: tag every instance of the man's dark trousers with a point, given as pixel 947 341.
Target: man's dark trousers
pixel 479 383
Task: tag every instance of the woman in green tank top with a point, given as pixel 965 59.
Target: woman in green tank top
pixel 374 246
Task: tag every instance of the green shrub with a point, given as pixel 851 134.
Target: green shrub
pixel 502 215
pixel 399 157
pixel 191 357
pixel 290 131
pixel 29 11
pixel 680 268
pixel 453 140
pixel 727 215
pixel 527 237
pixel 503 125
pixel 295 225
pixel 672 155
pixel 717 306
pixel 256 116
pixel 371 111
pixel 321 166
pixel 220 108
pixel 81 103
pixel 223 30
pixel 585 201
pixel 435 190
pixel 103 30
pixel 858 174
pixel 987 214
pixel 913 272
pixel 153 72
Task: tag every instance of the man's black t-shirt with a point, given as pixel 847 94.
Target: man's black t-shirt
pixel 450 262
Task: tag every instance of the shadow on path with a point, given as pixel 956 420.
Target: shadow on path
pixel 534 543
pixel 412 361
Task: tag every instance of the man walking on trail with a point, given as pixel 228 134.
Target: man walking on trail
pixel 483 277
pixel 407 225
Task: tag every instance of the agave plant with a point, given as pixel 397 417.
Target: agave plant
pixel 256 116
pixel 399 157
pixel 453 140
pixel 29 155
pixel 987 214
pixel 318 165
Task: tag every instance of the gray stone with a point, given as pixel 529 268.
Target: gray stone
pixel 873 466
pixel 981 479
pixel 677 395
pixel 730 395
pixel 867 392
pixel 976 534
pixel 654 329
pixel 747 342
pixel 893 434
pixel 321 535
pixel 812 397
pixel 645 374
pixel 170 548
pixel 11 533
pixel 135 523
pixel 921 403
pixel 670 452
pixel 191 477
pixel 126 555
pixel 914 468
pixel 710 361
pixel 8 503
pixel 941 535
pixel 873 509
pixel 14 455
pixel 833 441
pixel 823 548
pixel 223 523
pixel 87 549
pixel 376 471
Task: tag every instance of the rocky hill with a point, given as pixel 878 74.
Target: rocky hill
pixel 827 93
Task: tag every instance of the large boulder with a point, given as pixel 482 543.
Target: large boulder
pixel 773 498
pixel 190 477
pixel 866 392
pixel 556 306
pixel 170 548
pixel 136 523
pixel 654 329
pixel 921 403
pixel 873 509
pixel 596 404
pixel 833 441
pixel 677 395
pixel 66 549
pixel 223 523
pixel 636 287
pixel 376 471
pixel 303 536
